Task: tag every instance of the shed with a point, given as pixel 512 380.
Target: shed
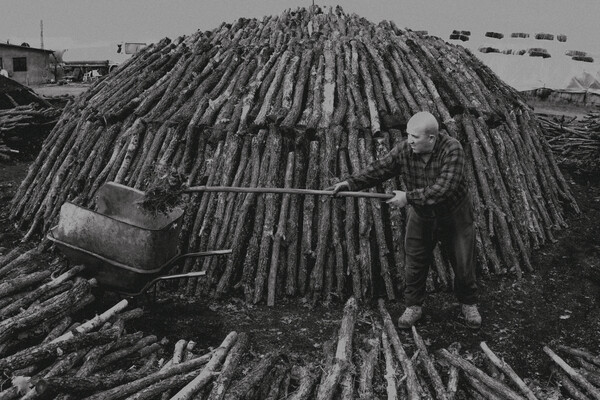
pixel 24 64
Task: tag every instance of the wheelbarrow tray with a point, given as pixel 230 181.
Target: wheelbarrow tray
pixel 111 274
pixel 120 230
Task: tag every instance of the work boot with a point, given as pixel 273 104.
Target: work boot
pixel 410 316
pixel 472 317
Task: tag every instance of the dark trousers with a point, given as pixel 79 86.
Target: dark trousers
pixel 457 236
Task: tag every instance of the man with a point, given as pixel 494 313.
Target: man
pixel 432 166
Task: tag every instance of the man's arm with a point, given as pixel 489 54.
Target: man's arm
pixel 380 170
pixel 445 184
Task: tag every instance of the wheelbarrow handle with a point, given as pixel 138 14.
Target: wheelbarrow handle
pixel 234 189
pixel 201 254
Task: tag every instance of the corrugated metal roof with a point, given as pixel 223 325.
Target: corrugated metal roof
pixel 16 46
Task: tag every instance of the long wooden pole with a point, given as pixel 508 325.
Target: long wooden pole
pixel 193 189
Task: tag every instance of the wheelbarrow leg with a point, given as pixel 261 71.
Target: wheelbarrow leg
pixel 168 277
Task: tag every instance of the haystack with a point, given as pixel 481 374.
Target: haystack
pixel 301 100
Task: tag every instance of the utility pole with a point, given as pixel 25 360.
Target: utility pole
pixel 41 33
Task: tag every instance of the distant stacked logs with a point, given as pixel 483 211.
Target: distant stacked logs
pixel 23 129
pixel 301 100
pixel 575 142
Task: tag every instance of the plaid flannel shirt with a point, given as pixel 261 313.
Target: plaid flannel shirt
pixel 434 188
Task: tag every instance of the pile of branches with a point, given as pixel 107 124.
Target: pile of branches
pixel 575 142
pixel 24 128
pixel 101 359
pixel 48 350
pixel 318 95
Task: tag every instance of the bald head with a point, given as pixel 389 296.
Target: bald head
pixel 422 131
pixel 423 122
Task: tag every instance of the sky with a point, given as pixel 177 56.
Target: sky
pixel 86 23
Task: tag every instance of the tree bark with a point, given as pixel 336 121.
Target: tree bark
pixel 412 384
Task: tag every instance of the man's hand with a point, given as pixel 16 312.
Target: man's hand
pixel 399 199
pixel 338 187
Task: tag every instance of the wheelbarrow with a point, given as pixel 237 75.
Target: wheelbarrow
pixel 120 244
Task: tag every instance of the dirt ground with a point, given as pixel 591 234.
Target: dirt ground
pixel 54 90
pixel 558 303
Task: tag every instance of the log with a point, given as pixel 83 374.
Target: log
pixel 271 206
pixel 586 355
pixel 94 323
pixel 252 250
pixel 17 284
pixel 452 384
pixel 92 358
pixel 568 384
pixel 23 258
pixel 390 371
pixel 351 236
pixel 49 350
pixel 230 366
pixel 84 385
pixel 55 308
pixel 279 377
pixel 244 221
pixel 320 268
pixel 347 386
pixel 134 386
pixel 280 233
pixel 369 361
pixel 164 386
pixel 137 347
pixel 253 378
pixel 434 376
pixel 23 301
pixel 209 370
pixel 343 355
pixel 592 376
pixel 573 374
pixel 303 71
pixel 588 366
pixel 307 253
pixel 508 371
pixel 293 228
pixel 384 251
pixel 476 373
pixel 307 381
pixel 411 376
pixel 58 329
pixel 425 392
pixel 484 390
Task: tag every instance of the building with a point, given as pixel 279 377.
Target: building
pixel 24 64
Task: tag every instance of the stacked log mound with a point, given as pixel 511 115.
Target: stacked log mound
pixel 575 142
pixel 301 100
